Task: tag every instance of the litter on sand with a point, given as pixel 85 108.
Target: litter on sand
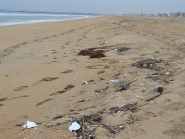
pixel 113 81
pixel 30 125
pixel 85 82
pixel 74 127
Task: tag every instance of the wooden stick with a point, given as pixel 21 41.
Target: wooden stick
pixel 129 82
pixel 154 97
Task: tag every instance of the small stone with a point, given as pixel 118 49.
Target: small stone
pixel 160 89
pixel 144 65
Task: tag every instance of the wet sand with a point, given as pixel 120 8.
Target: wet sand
pixel 42 77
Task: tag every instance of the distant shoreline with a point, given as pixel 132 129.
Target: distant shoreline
pixel 70 13
pixel 9 18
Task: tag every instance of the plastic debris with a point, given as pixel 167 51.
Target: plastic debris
pixel 167 73
pixel 85 82
pixel 74 127
pixel 116 91
pixel 30 125
pixel 113 81
pixel 144 65
pixel 106 42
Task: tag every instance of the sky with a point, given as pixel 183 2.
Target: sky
pixel 96 6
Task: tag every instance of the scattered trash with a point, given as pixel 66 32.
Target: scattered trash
pixel 146 63
pixel 113 81
pixel 126 85
pixel 74 127
pixel 123 49
pixel 113 129
pixel 30 125
pixel 123 108
pixel 85 82
pixel 102 90
pixel 116 91
pixel 160 89
pixel 105 42
pixel 167 73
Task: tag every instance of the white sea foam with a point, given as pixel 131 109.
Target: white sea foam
pixel 18 22
pixel 32 14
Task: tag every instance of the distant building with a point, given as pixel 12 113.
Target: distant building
pixel 183 14
pixel 179 14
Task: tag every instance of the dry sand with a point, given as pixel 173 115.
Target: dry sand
pixel 38 60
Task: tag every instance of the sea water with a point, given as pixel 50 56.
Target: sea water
pixel 14 18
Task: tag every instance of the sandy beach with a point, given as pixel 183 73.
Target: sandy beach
pixel 44 80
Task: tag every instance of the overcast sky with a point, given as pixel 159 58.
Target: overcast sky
pixel 96 6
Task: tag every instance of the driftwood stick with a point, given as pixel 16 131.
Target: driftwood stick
pixel 105 89
pixel 126 85
pixel 129 82
pixel 154 97
pixel 109 128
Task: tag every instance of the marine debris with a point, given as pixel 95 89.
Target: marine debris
pixel 92 53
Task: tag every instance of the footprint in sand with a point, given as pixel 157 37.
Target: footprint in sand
pixel 68 87
pixel 40 103
pixel 20 88
pixel 19 97
pixel 57 93
pixel 67 71
pixel 100 72
pixel 178 129
pixel 3 99
pixel 48 79
pixel 175 106
pixel 73 60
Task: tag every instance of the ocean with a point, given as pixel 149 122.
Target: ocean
pixel 14 18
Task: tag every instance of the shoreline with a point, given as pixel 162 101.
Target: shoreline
pixel 44 80
pixel 43 21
